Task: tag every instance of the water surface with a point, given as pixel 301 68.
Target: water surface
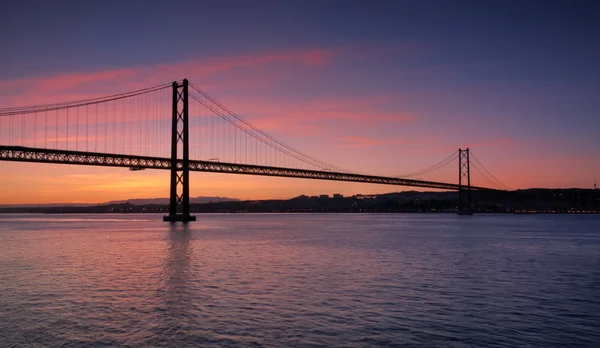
pixel 300 280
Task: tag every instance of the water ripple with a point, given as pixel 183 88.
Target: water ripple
pixel 300 280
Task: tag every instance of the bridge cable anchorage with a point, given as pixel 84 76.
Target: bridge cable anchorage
pixel 447 160
pixel 322 164
pixel 498 182
pixel 264 141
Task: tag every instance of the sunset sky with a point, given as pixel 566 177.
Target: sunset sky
pixel 379 87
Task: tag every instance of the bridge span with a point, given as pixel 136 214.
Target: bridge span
pixel 36 155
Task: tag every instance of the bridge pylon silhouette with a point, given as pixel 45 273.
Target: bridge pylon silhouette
pixel 464 183
pixel 179 200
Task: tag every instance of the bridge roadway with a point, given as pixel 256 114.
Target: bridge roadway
pixel 28 154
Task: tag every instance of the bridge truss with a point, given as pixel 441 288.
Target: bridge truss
pixel 26 154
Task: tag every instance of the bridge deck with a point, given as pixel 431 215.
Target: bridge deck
pixel 27 154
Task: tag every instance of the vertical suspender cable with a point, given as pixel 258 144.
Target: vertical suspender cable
pixel 45 129
pixel 123 122
pixel 154 115
pixel 114 123
pixel 203 135
pixel 114 135
pixel 96 130
pixel 129 127
pixel 87 125
pixel 139 113
pixel 34 129
pixel 56 133
pixel 142 137
pixel 234 132
pixel 146 118
pixel 67 138
pixel 23 130
pixel 223 137
pixel 212 136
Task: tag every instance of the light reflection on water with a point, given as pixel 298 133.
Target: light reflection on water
pixel 300 280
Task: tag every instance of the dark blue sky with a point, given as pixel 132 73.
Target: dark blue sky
pixel 41 37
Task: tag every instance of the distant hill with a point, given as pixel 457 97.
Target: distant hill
pixel 134 201
pixel 193 200
pixel 520 201
pixel 47 205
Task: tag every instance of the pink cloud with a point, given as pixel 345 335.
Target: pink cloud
pixel 317 57
pixel 319 115
pixel 301 118
pixel 289 119
pixel 360 141
pixel 69 86
pixel 493 142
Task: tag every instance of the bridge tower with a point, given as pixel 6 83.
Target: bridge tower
pixel 179 203
pixel 464 183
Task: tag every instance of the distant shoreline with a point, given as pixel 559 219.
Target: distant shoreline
pixel 308 212
pixel 523 202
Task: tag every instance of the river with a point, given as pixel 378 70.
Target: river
pixel 300 280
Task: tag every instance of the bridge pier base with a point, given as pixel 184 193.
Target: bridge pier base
pixel 179 218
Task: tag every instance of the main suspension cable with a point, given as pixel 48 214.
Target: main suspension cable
pixel 321 163
pixel 84 102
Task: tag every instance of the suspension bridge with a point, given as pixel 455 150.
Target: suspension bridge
pixel 181 128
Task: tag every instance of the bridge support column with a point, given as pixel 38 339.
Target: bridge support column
pixel 464 183
pixel 179 202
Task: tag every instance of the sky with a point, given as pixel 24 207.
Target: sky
pixel 378 87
